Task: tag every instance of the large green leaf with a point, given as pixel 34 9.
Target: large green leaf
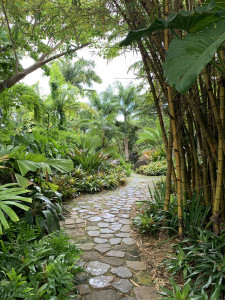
pixel 26 166
pixel 63 165
pixel 190 21
pixel 22 181
pixel 186 58
pixel 9 195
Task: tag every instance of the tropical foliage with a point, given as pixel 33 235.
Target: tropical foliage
pixel 56 146
pixel 37 268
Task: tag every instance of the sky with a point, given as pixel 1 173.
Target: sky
pixel 109 71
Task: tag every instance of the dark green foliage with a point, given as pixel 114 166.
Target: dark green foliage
pixel 88 159
pixel 195 214
pixel 201 259
pixel 154 168
pixel 190 21
pixel 186 58
pixel 46 209
pixel 34 268
pixel 51 143
pixel 177 293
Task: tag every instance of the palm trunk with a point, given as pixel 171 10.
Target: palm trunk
pixel 126 148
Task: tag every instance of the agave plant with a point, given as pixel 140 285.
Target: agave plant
pixel 10 195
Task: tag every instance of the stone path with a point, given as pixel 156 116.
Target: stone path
pixel 101 225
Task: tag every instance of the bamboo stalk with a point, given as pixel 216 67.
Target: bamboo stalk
pixel 214 108
pixel 169 168
pixel 174 130
pixel 219 183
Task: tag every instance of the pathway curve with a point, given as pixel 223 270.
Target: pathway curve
pixel 101 224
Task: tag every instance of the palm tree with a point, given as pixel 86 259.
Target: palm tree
pixel 67 81
pixel 80 73
pixel 106 113
pixel 151 136
pixel 126 99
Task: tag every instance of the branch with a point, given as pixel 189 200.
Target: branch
pixel 17 77
pixel 10 34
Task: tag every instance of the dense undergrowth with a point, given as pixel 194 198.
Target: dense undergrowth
pixel 37 174
pixel 34 266
pixel 199 257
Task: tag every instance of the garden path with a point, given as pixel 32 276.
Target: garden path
pixel 101 225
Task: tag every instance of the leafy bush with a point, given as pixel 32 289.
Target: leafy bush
pixel 199 257
pixel 153 218
pixel 52 143
pixel 88 159
pixel 153 169
pixel 80 181
pixel 34 268
pixel 45 210
pixel 36 166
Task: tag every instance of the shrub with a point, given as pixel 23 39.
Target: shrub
pixel 153 169
pixel 80 181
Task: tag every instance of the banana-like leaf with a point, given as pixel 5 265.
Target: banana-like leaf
pixel 22 181
pixel 190 21
pixel 9 196
pixel 26 165
pixel 186 58
pixel 63 165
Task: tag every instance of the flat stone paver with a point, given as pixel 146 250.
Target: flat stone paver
pixel 128 241
pixel 102 248
pixel 101 225
pixel 108 294
pixel 136 265
pixel 97 268
pixel 123 285
pixel 116 253
pixel 122 272
pixel 115 241
pixel 87 246
pixel 93 233
pixel 100 282
pixel 100 241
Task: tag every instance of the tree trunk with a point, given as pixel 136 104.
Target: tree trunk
pixel 126 148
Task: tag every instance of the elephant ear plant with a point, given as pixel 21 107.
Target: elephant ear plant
pixel 22 164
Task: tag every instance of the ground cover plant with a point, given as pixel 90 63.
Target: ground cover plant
pixel 34 266
pixel 198 258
